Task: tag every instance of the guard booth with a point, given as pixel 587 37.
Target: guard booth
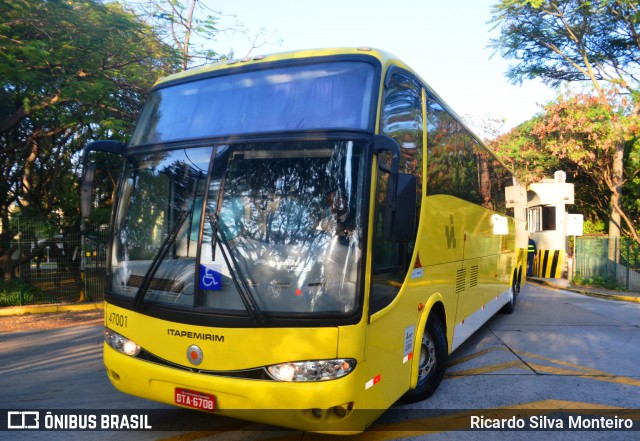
pixel 547 215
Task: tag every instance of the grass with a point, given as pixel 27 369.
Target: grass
pixel 16 292
pixel 595 282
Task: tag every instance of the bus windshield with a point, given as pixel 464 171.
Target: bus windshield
pixel 255 229
pixel 332 95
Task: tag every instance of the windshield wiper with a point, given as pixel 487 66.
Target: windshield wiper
pixel 159 257
pixel 165 246
pixel 240 283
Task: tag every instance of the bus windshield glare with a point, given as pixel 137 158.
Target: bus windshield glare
pixel 253 229
pixel 326 96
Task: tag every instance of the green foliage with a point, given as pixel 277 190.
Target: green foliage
pixel 592 227
pixel 569 40
pixel 595 282
pixel 72 71
pixel 177 22
pixel 16 292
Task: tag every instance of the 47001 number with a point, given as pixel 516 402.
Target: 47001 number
pixel 118 320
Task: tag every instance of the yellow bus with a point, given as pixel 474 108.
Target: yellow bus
pixel 302 239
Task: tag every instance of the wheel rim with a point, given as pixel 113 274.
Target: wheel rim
pixel 428 358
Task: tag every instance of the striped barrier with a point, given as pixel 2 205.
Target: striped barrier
pixel 549 264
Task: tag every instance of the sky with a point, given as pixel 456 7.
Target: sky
pixel 444 41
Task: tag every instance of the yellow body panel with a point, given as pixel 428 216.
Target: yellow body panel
pixel 271 402
pixel 224 349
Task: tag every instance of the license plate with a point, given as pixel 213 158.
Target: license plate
pixel 195 399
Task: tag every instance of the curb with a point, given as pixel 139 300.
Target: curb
pixel 40 309
pixel 584 292
pixel 616 297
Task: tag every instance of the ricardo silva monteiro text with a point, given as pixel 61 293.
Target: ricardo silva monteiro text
pixel 545 422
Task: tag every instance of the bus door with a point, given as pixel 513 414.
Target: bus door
pixel 392 325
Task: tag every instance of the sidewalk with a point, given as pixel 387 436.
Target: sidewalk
pixel 58 307
pixel 625 296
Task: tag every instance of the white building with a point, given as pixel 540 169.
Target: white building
pixel 547 207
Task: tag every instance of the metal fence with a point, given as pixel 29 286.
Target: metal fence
pixel 611 263
pixel 44 264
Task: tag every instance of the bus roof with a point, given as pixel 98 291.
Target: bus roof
pixel 384 58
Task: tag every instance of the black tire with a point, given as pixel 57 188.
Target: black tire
pixel 511 305
pixel 434 355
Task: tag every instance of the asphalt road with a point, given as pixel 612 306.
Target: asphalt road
pixel 559 350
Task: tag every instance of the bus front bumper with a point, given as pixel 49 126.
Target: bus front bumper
pixel 335 406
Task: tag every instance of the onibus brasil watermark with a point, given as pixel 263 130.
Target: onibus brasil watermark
pixel 76 420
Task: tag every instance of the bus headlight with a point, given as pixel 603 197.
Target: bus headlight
pixel 316 370
pixel 121 343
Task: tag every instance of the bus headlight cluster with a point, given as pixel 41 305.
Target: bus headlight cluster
pixel 120 343
pixel 317 370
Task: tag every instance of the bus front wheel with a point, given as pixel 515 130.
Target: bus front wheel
pixel 433 361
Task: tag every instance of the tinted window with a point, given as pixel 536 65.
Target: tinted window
pixel 321 96
pixel 402 119
pixel 452 163
pixel 458 165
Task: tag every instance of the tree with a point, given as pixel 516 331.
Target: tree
pixel 190 26
pixel 71 71
pixel 176 22
pixel 579 134
pixel 577 40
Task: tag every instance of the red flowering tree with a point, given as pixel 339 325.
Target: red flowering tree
pixel 581 134
pixel 595 41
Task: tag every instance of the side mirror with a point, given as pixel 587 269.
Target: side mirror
pixel 400 210
pixel 86 187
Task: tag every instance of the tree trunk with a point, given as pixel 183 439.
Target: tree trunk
pixel 616 196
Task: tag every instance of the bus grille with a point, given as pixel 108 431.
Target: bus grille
pixel 252 374
pixel 460 280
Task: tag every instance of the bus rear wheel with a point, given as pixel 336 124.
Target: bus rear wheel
pixel 433 361
pixel 513 295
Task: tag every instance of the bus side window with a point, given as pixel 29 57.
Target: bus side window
pixel 402 119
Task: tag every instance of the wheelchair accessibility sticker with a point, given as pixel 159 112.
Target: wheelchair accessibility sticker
pixel 210 276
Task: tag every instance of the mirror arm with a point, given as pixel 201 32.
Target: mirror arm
pixel 116 147
pixel 384 143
